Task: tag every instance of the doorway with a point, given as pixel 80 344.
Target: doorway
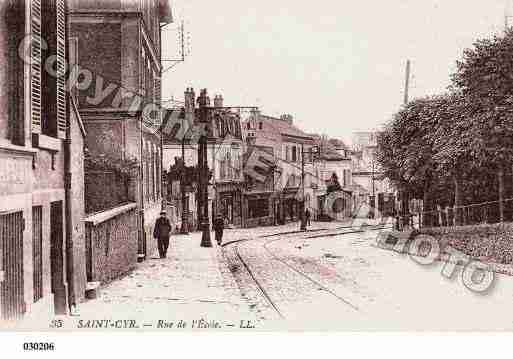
pixel 11 265
pixel 57 258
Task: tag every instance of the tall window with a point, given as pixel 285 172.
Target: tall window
pixel 143 71
pixel 159 175
pixel 47 88
pixel 294 154
pixel 152 174
pixel 147 171
pixel 229 165
pixel 222 169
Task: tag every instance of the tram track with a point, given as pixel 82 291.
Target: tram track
pixel 261 287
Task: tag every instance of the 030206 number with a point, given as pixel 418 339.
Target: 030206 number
pixel 38 346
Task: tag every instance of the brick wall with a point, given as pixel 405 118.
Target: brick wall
pixel 93 40
pixel 111 243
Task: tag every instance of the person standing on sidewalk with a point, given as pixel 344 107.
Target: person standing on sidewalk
pixel 308 215
pixel 161 233
pixel 219 228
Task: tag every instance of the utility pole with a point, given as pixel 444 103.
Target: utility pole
pixel 407 82
pixel 507 16
pixel 406 100
pixel 303 216
pixel 182 41
pixel 203 171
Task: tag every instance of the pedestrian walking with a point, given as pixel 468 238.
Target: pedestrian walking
pixel 219 228
pixel 161 233
pixel 307 215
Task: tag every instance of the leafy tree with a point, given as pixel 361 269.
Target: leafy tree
pixel 485 77
pixel 405 148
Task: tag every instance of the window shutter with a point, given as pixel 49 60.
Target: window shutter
pixel 61 68
pixel 35 66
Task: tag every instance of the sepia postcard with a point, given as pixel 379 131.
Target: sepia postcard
pixel 272 166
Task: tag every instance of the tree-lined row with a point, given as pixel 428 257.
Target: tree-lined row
pixel 456 148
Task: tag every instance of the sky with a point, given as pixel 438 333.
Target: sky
pixel 336 66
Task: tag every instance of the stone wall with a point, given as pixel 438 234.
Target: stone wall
pixel 488 242
pixel 111 243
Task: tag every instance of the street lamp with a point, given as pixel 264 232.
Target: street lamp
pixel 302 226
pixel 204 110
pixel 203 103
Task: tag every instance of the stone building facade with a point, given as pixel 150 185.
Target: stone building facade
pixel 42 264
pixel 117 49
pixel 288 146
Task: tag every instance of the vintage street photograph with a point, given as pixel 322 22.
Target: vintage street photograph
pixel 271 166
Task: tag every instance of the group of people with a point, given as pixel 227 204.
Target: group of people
pixel 162 232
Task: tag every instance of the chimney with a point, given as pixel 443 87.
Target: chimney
pixel 218 101
pixel 287 118
pixel 189 97
pixel 203 97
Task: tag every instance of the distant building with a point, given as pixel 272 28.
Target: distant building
pixel 225 156
pixel 374 188
pixel 280 201
pixel 334 162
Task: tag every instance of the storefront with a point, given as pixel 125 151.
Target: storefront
pixel 229 203
pixel 259 209
pixel 290 205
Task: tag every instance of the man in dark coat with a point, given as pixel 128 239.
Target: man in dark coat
pixel 218 228
pixel 161 233
pixel 308 215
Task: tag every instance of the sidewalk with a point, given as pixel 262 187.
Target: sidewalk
pixel 190 284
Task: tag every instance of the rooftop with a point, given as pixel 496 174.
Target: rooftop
pixel 286 128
